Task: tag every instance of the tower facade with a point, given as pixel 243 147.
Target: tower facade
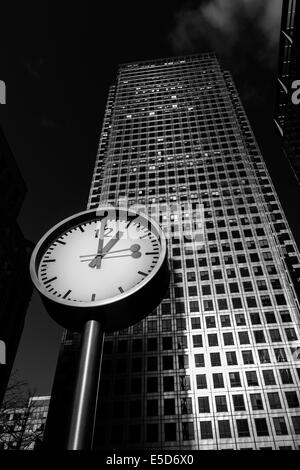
pixel 215 365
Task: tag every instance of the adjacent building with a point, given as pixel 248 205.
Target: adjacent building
pixel 15 250
pixel 215 365
pixel 22 428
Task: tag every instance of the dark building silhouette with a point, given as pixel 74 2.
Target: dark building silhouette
pixel 15 250
pixel 212 367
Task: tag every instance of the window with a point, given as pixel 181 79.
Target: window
pixel 225 321
pixel 286 376
pixel 167 343
pixel 218 380
pixel 244 337
pixel 221 403
pixel 234 378
pixel 292 399
pixel 274 400
pixel 212 340
pixel 270 317
pixel 247 357
pixel 183 361
pixel 251 378
pixel 134 433
pixel 184 382
pixel 152 384
pixel 201 381
pixel 240 319
pixel 210 322
pixel 152 407
pixel 199 360
pixel 168 362
pixel 275 335
pixel 169 406
pixel 195 323
pixel 280 426
pixel 269 377
pixel 291 334
pixel 264 356
pixel 215 359
pixel 242 428
pixel 181 342
pixel 261 427
pixel 231 358
pixel 296 424
pixel 203 403
pixel 152 363
pixel 170 432
pixel 135 408
pixel 280 355
pixel 238 402
pixel 208 305
pixel 228 339
pixel 197 341
pixel 206 430
pixel 237 302
pixel 152 344
pixel 168 383
pixel 259 336
pixel 224 429
pixel 256 401
pixel 180 324
pixel 188 431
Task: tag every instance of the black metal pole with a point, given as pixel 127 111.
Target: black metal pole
pixel 83 416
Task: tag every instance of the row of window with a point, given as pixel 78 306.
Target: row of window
pixel 225 430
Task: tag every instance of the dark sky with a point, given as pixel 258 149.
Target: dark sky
pixel 58 59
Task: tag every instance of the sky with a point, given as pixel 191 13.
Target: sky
pixel 58 60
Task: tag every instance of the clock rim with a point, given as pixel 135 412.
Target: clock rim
pixel 84 215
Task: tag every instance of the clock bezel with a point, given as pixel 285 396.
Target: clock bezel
pixel 61 309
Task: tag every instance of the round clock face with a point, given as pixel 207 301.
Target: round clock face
pixel 99 257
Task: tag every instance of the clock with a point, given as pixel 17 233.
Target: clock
pixel 108 265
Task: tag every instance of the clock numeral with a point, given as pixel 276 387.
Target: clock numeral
pixel 121 289
pixel 93 297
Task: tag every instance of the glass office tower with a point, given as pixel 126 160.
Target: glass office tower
pixel 215 365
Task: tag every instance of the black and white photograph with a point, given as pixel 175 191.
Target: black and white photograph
pixel 150 230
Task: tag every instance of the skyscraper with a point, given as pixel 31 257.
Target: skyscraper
pixel 287 110
pixel 15 283
pixel 214 366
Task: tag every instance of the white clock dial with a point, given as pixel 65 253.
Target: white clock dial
pixel 99 260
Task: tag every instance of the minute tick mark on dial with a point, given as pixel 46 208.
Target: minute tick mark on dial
pixel 142 273
pixel 50 280
pixel 66 294
pixel 93 297
pixel 121 289
pixel 61 242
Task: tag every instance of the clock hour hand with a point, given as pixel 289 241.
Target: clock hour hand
pixel 96 262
